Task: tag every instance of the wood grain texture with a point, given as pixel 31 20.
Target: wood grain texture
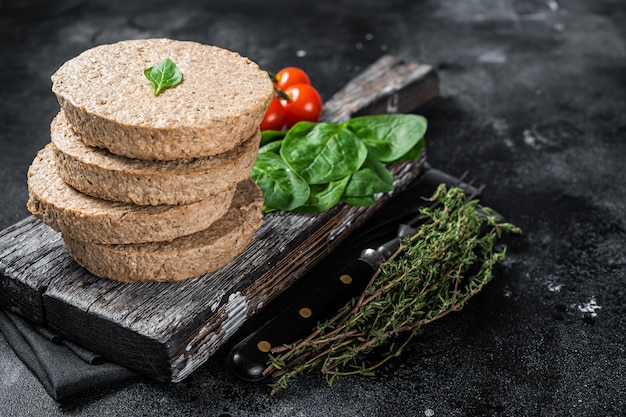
pixel 413 85
pixel 167 330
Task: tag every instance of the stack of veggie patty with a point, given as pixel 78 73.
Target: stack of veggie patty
pixel 153 187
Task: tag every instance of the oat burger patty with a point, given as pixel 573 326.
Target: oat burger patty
pixel 99 173
pixel 153 187
pixel 90 219
pixel 186 257
pixel 220 102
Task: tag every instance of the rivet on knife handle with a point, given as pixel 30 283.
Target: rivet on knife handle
pixel 249 358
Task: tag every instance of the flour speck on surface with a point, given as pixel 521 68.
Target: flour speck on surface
pixel 589 308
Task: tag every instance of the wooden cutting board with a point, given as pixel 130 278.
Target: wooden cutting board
pixel 167 330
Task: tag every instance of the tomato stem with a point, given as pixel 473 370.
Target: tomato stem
pixel 280 93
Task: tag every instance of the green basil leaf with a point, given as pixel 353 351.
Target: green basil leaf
pixel 268 136
pixel 282 188
pixel 366 201
pixel 323 196
pixel 164 75
pixel 372 178
pixel 388 136
pixel 322 152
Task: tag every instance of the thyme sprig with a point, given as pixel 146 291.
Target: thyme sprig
pixel 433 273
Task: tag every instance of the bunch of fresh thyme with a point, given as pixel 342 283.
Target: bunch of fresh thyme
pixel 435 272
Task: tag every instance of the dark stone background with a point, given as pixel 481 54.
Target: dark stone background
pixel 533 105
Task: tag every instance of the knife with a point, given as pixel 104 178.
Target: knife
pixel 330 290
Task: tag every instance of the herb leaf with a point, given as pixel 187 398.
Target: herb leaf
pixel 323 196
pixel 271 147
pixel 336 161
pixel 322 152
pixel 414 153
pixel 283 189
pixel 268 136
pixel 362 201
pixel 164 75
pixel 372 178
pixel 435 272
pixel 388 136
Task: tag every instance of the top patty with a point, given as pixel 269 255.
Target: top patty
pixel 110 103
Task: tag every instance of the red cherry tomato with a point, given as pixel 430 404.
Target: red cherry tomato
pixel 289 76
pixel 304 104
pixel 274 117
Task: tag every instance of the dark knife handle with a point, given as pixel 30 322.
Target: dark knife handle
pixel 248 358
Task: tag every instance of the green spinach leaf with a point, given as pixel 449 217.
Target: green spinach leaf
pixel 313 166
pixel 271 147
pixel 268 136
pixel 389 136
pixel 322 152
pixel 372 178
pixel 323 196
pixel 165 74
pixel 365 201
pixel 282 188
pixel 414 153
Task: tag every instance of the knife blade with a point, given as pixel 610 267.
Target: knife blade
pixel 248 358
